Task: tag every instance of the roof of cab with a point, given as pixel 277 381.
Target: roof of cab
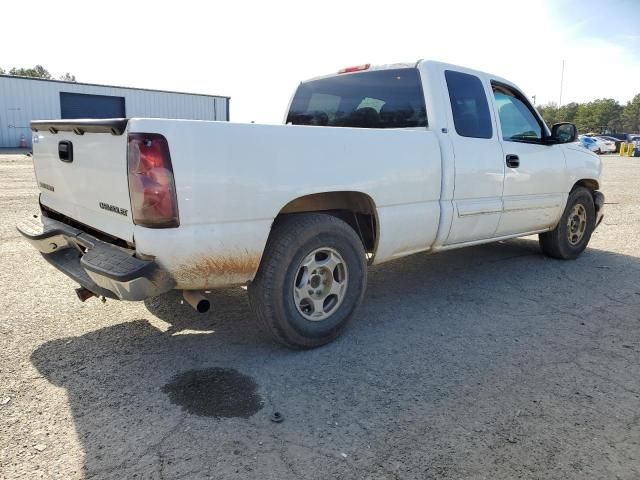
pixel 416 64
pixel 460 68
pixel 385 66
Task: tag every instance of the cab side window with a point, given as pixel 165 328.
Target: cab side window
pixel 469 105
pixel 517 121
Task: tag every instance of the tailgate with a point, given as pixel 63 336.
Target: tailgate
pixel 81 170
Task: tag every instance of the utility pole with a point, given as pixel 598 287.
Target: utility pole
pixel 561 81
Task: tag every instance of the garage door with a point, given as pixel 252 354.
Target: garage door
pixel 80 105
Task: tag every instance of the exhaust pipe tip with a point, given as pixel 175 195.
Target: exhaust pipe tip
pixel 84 294
pixel 203 306
pixel 199 302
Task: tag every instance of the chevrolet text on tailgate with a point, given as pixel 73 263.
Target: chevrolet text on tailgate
pixel 373 164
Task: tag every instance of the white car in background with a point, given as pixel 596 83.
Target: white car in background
pixel 589 143
pixel 606 145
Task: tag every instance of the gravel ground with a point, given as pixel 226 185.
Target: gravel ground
pixel 490 362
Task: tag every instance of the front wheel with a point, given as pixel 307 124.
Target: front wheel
pixel 311 279
pixel 572 234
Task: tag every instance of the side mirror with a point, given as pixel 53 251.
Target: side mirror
pixel 564 132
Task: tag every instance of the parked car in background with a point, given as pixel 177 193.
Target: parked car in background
pixel 635 140
pixel 606 144
pixel 589 143
pixel 617 141
pixel 620 136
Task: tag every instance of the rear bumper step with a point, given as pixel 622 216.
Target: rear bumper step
pixel 102 268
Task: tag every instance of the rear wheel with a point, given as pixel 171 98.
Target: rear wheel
pixel 573 232
pixel 311 279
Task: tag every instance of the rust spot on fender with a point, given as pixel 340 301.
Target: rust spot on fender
pixel 217 270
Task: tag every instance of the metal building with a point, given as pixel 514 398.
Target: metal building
pixel 23 99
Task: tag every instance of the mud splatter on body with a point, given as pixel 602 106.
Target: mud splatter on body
pixel 212 271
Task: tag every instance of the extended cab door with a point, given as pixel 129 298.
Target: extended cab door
pixel 479 164
pixel 534 181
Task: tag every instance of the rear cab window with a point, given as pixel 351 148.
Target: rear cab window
pixel 391 98
pixel 469 105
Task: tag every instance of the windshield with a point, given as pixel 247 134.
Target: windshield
pixel 373 99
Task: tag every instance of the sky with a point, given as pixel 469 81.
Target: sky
pixel 257 52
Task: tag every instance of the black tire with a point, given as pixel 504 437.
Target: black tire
pixel 556 243
pixel 293 238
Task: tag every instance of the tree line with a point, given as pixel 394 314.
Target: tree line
pixel 37 72
pixel 604 115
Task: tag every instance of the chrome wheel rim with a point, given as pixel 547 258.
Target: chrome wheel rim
pixel 320 284
pixel 576 224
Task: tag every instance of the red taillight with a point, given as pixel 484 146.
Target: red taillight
pixel 151 185
pixel 357 68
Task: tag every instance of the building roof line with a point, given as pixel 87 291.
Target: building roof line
pixel 112 86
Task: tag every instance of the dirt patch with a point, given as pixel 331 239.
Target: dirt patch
pixel 215 392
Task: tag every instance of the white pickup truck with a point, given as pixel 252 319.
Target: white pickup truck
pixel 374 163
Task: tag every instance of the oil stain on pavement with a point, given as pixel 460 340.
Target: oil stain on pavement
pixel 215 392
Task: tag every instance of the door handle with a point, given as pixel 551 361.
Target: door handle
pixel 65 151
pixel 513 161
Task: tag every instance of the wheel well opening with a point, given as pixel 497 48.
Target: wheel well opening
pixel 587 183
pixel 355 208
